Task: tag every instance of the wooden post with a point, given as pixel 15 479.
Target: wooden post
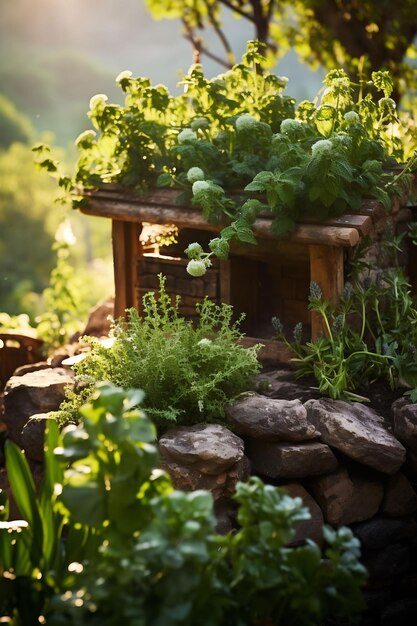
pixel 225 280
pixel 326 269
pixel 126 247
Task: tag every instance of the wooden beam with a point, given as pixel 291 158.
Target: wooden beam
pixel 326 269
pixel 126 247
pixel 182 217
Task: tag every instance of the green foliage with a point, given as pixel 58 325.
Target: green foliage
pixel 14 126
pixel 188 372
pixel 27 225
pixel 136 551
pixel 61 318
pixel 371 334
pixel 31 556
pixel 237 147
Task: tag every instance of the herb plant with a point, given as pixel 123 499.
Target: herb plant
pixel 188 372
pixel 130 549
pixel 371 334
pixel 237 147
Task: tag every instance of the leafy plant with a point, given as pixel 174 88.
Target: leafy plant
pixel 188 372
pixel 60 319
pixel 31 557
pixel 238 147
pixel 137 551
pixel 371 334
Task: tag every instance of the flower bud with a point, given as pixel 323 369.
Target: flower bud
pixel 196 268
pixel 194 174
pixel 194 250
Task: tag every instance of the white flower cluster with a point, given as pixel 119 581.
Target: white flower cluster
pixel 186 135
pixel 351 117
pixel 245 122
pixel 199 262
pixel 99 98
pixel 387 103
pixel 322 146
pixel 205 342
pixel 289 125
pixel 196 268
pixel 194 250
pixel 194 174
pixel 200 123
pixel 200 185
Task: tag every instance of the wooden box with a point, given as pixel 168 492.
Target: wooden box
pixel 266 280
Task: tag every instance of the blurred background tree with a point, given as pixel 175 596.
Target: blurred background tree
pixel 357 35
pixel 14 126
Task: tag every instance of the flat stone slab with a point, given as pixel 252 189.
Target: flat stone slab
pixel 286 460
pixel 211 447
pixel 282 384
pixel 357 431
pixel 204 456
pixel 256 416
pixel 35 392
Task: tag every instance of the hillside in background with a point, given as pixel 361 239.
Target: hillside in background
pixel 56 54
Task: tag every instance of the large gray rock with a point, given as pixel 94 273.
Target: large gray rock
pixel 253 415
pixel 204 456
pixel 35 392
pixel 345 499
pixel 33 435
pixel 212 447
pixel 357 431
pixel 405 423
pixel 290 460
pixel 282 384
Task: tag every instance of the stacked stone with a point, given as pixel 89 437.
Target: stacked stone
pixel 350 465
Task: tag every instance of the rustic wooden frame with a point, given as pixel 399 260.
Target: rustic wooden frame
pixel 326 242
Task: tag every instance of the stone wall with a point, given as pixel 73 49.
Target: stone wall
pixel 349 463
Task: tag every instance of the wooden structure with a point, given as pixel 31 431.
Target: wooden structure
pixel 269 279
pixel 17 349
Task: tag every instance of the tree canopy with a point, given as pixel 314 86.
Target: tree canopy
pixel 358 35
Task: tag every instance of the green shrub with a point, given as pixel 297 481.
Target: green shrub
pixel 188 372
pixel 134 551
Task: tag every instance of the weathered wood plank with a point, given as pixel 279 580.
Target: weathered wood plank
pixel 193 218
pixel 125 238
pixel 326 269
pixel 272 351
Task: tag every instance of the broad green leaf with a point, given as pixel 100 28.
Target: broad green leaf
pixel 245 235
pixel 87 503
pixel 283 225
pixel 24 494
